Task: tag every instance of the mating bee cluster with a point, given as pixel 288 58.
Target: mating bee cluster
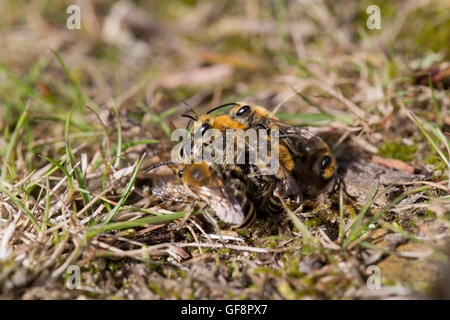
pixel 237 193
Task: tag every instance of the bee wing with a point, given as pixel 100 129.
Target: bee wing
pixel 221 201
pixel 300 141
pixel 274 124
pixel 290 130
pixel 172 192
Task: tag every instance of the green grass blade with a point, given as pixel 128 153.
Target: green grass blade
pixel 444 140
pixel 309 102
pixel 105 172
pixel 158 118
pixel 384 210
pixel 435 104
pixel 32 184
pixel 306 117
pixel 314 119
pixel 64 170
pixel 125 195
pixel 137 223
pixel 430 139
pixel 71 159
pixel 376 217
pixel 356 224
pixel 119 134
pixel 22 206
pixel 66 137
pixel 76 88
pixel 24 87
pixel 47 205
pixel 168 113
pixel 156 213
pixel 299 225
pixel 12 143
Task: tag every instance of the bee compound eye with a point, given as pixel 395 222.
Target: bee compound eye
pixel 204 127
pixel 243 110
pixel 326 161
pixel 197 174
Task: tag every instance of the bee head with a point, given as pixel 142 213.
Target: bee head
pixel 248 113
pixel 203 123
pixel 325 166
pixel 196 174
pixel 204 127
pixel 241 112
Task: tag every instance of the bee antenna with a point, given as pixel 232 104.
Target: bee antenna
pixel 186 115
pixel 222 106
pixel 188 124
pixel 160 164
pixel 190 108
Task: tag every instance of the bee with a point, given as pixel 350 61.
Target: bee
pixel 221 122
pixel 260 187
pixel 242 116
pixel 313 163
pixel 205 122
pixel 201 182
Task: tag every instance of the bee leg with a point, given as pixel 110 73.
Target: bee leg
pixel 277 194
pixel 216 226
pixel 337 183
pixel 211 220
pixel 299 209
pixel 189 212
pixel 340 184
